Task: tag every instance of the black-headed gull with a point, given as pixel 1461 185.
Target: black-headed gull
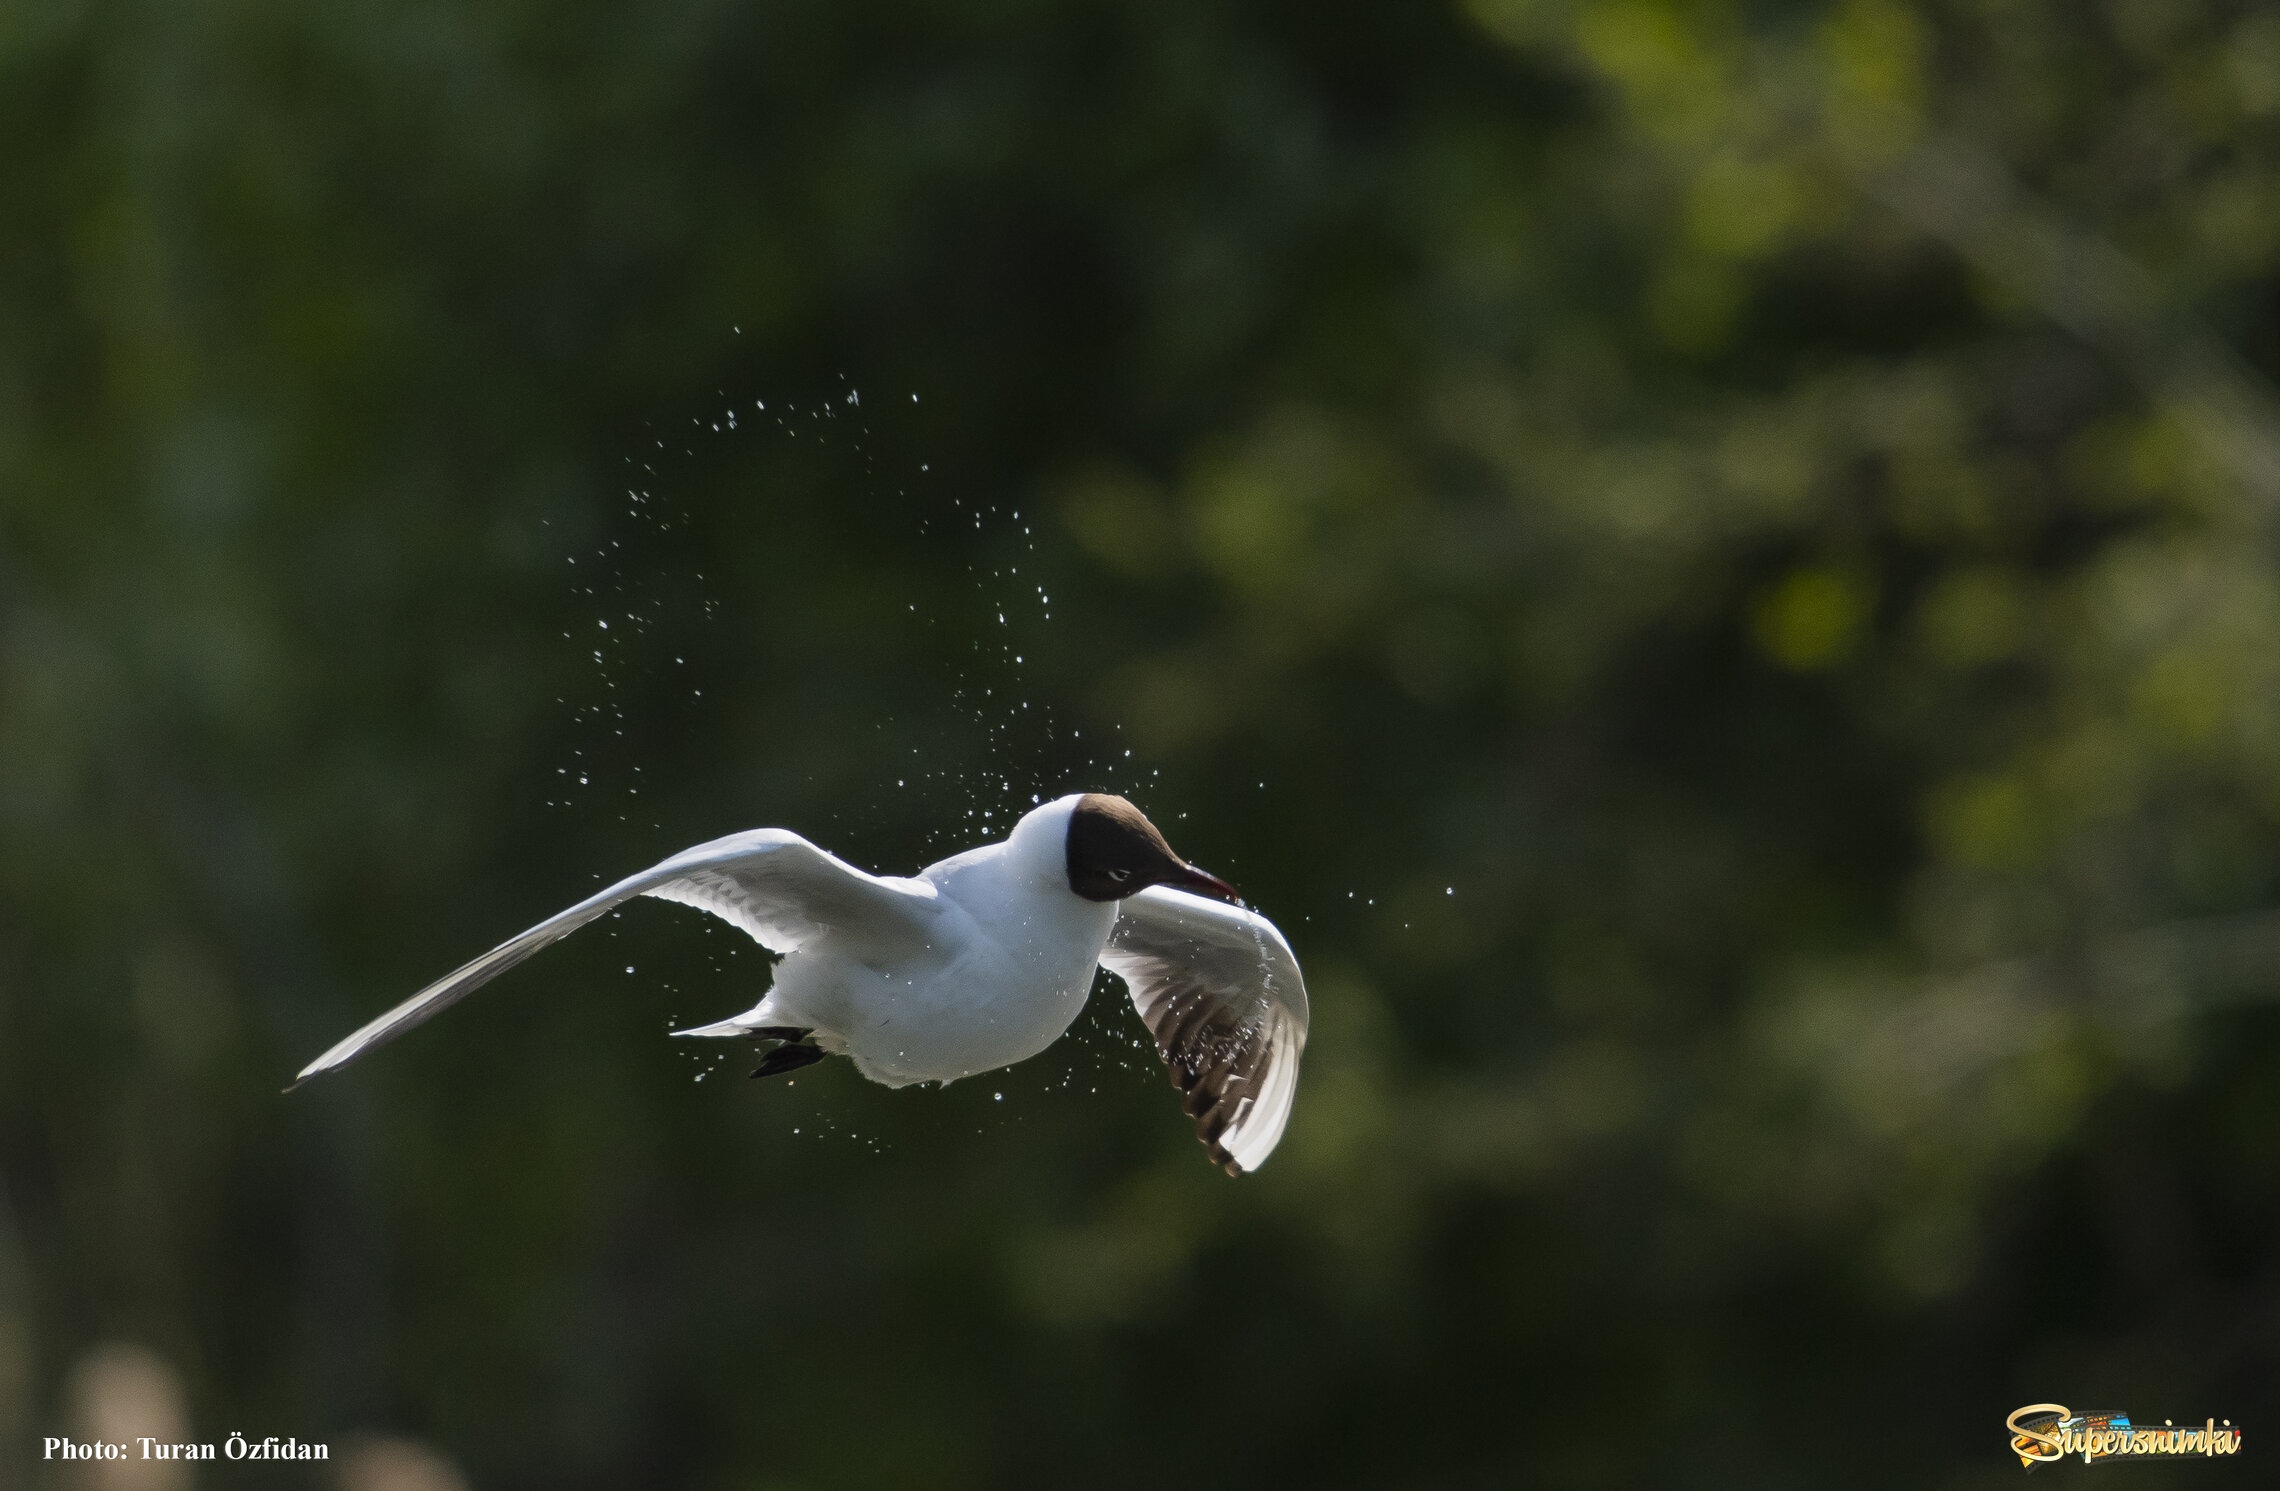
pixel 981 961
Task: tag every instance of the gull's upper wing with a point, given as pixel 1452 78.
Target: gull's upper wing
pixel 769 881
pixel 1221 993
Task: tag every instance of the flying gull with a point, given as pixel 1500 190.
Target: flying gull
pixel 980 961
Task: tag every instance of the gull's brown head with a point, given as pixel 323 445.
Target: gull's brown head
pixel 1114 852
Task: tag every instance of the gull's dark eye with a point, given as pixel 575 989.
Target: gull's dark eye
pixel 1120 876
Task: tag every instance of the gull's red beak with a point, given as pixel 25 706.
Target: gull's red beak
pixel 1204 883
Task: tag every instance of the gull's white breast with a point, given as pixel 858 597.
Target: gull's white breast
pixel 1003 975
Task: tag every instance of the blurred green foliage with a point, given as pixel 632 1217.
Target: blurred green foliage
pixel 1712 565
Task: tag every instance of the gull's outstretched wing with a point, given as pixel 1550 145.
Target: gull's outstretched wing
pixel 1221 993
pixel 769 881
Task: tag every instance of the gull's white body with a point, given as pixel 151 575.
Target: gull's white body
pixel 1001 970
pixel 980 961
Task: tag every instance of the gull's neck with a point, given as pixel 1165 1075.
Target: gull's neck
pixel 1038 848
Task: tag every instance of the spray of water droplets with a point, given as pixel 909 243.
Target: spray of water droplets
pixel 977 748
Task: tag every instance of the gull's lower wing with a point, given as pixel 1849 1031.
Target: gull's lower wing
pixel 1221 992
pixel 769 881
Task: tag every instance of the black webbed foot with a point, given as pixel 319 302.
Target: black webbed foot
pixel 787 1058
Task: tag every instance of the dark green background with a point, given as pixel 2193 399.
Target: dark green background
pixel 1712 566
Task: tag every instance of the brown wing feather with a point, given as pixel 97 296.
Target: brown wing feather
pixel 1221 993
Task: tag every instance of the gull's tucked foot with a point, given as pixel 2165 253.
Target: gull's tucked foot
pixel 789 1034
pixel 788 1059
